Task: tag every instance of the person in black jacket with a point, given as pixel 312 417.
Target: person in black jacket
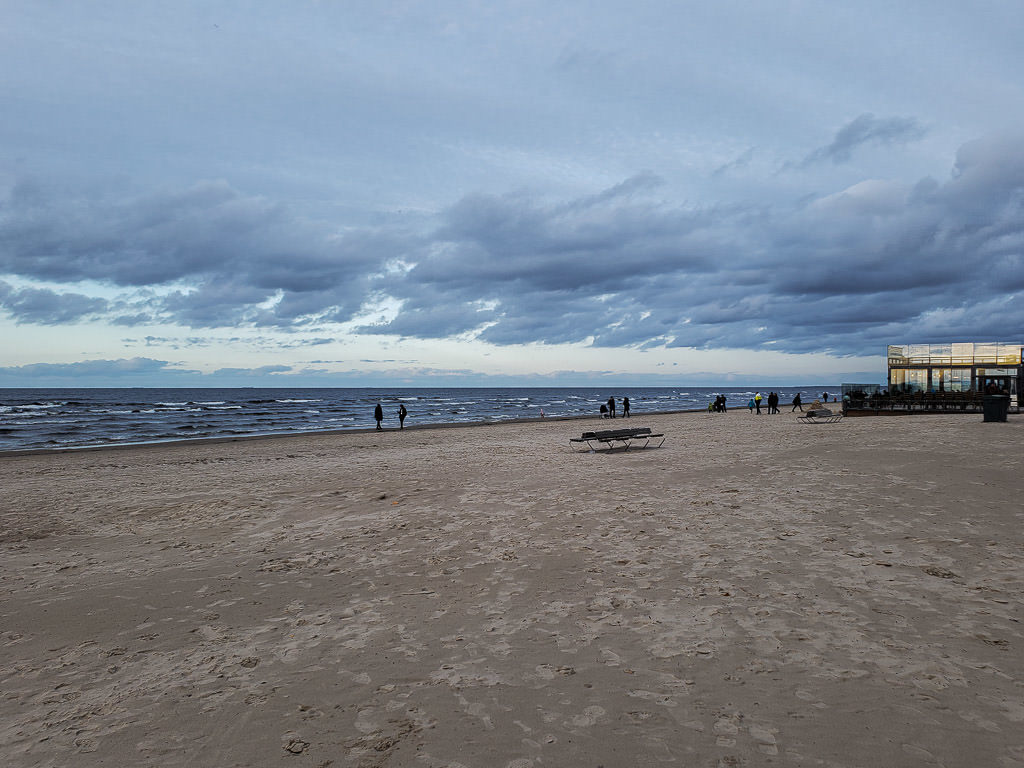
pixel 378 414
pixel 402 413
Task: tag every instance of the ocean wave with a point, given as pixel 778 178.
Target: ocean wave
pixel 47 418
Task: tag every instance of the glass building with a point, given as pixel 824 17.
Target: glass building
pixel 958 367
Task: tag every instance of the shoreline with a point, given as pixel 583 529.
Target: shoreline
pixel 304 433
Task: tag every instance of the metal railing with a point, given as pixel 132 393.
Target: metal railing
pixel 989 353
pixel 923 402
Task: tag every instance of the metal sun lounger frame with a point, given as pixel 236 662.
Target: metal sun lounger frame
pixel 609 438
pixel 821 416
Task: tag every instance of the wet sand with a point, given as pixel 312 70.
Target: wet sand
pixel 756 592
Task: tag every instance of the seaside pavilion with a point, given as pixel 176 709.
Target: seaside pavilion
pixel 957 367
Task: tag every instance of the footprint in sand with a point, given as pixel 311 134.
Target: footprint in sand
pixel 810 698
pixel 589 717
pixel 549 672
pixel 765 739
pixel 726 726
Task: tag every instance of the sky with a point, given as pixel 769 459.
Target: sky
pixel 464 193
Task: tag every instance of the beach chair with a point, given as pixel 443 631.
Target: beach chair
pixel 819 416
pixel 612 438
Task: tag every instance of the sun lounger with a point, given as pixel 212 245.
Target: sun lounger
pixel 613 438
pixel 820 416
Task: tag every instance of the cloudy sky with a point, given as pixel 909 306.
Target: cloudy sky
pixel 435 193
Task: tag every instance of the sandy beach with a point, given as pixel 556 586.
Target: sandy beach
pixel 755 592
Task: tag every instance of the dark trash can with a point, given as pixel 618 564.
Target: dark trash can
pixel 995 407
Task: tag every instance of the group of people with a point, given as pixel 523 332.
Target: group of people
pixel 718 406
pixel 378 415
pixel 772 402
pixel 608 409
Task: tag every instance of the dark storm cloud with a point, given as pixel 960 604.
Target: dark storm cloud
pixel 866 129
pixel 243 259
pixel 433 321
pixel 45 307
pixel 847 272
pixel 587 245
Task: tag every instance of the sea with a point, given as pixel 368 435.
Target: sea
pixel 79 418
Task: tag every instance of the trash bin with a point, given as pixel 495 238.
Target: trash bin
pixel 995 407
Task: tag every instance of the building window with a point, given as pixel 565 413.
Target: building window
pixel 960 380
pixel 897 379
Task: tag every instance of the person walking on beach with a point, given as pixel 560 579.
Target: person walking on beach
pixel 611 407
pixel 625 407
pixel 824 397
pixel 378 415
pixel 797 403
pixel 773 402
pixel 402 413
pixel 750 405
pixel 757 402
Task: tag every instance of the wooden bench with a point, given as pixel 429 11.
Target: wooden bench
pixel 610 438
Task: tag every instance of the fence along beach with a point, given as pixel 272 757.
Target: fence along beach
pixel 753 592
